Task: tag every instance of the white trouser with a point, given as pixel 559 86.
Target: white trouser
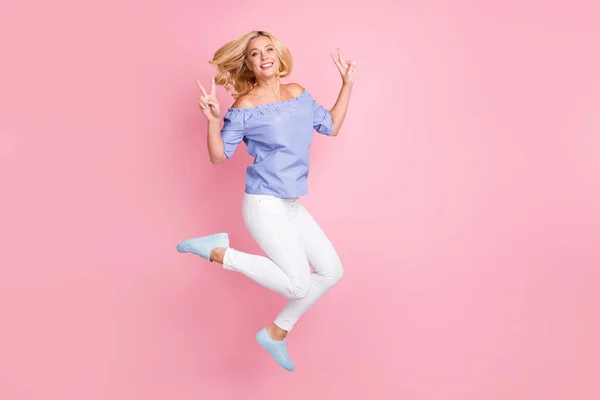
pixel 293 242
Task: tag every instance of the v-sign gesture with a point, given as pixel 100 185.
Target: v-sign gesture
pixel 346 67
pixel 208 101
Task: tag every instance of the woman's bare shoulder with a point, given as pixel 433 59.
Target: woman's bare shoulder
pixel 294 89
pixel 242 102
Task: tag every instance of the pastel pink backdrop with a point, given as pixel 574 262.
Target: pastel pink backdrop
pixel 463 195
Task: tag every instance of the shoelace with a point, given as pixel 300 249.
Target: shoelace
pixel 284 348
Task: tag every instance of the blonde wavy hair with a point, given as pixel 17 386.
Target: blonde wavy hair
pixel 233 73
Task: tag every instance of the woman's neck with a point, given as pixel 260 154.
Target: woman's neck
pixel 271 85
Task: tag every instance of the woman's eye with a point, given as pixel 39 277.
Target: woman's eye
pixel 269 49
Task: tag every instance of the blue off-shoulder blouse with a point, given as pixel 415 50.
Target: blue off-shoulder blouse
pixel 278 136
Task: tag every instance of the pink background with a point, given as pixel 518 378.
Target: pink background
pixel 463 195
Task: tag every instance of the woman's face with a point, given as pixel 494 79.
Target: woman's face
pixel 262 57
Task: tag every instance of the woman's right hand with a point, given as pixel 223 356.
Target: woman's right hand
pixel 208 102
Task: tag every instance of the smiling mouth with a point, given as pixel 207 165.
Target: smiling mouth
pixel 266 66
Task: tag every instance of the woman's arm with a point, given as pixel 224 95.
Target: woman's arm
pixel 216 147
pixel 217 137
pixel 222 141
pixel 339 109
pixel 210 108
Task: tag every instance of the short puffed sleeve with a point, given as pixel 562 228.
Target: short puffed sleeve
pixel 232 132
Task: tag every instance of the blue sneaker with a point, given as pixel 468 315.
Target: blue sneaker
pixel 276 348
pixel 202 246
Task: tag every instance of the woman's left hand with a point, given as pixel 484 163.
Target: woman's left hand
pixel 346 68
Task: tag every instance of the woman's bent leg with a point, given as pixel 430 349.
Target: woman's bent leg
pixel 286 269
pixel 324 260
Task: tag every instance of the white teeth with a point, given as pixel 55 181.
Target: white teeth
pixel 266 65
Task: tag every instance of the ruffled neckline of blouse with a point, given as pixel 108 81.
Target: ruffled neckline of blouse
pixel 270 106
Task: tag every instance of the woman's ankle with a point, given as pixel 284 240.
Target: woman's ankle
pixel 276 333
pixel 217 254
